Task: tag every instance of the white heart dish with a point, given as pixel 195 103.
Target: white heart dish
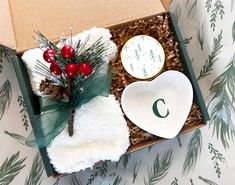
pixel 160 106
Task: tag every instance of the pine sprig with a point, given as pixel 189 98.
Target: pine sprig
pixel 194 150
pixel 221 105
pixel 5 97
pixel 42 69
pixel 23 112
pixel 208 5
pixel 92 55
pixel 44 42
pixel 159 169
pixel 11 168
pixel 217 158
pixel 99 170
pixel 72 70
pixel 217 11
pixel 220 8
pixel 209 63
pixel 207 181
pixel 36 172
pixel 4 54
pixel 19 138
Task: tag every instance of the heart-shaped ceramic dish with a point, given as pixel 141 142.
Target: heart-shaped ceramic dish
pixel 160 106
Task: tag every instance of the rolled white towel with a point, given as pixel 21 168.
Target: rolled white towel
pixel 100 133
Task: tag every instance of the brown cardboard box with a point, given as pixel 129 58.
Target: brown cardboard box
pixel 21 18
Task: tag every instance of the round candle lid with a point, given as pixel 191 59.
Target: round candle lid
pixel 143 57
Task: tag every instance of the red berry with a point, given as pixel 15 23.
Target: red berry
pixel 71 70
pixel 49 55
pixel 54 68
pixel 67 52
pixel 85 69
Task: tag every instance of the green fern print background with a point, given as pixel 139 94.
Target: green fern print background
pixel 204 156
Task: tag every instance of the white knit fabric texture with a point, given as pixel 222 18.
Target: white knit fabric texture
pixel 100 130
pixel 100 133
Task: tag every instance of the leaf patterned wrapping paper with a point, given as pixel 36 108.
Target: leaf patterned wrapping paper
pixel 203 156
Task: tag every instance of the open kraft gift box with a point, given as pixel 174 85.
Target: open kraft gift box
pixel 125 18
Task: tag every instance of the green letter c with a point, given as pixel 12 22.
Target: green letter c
pixel 155 109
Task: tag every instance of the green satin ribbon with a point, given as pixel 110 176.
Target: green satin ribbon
pixel 54 115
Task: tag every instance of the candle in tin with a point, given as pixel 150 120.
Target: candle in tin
pixel 143 57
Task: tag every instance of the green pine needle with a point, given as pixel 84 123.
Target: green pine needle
pixel 187 41
pixel 99 170
pixel 200 37
pixel 175 182
pixel 159 169
pixel 233 31
pixel 136 168
pixel 150 148
pixel 36 172
pixel 5 53
pixel 192 8
pixel 5 97
pixel 1 66
pixel 17 137
pixel 194 150
pixel 177 12
pixel 74 179
pixel 117 180
pixel 179 140
pixel 93 55
pixel 125 160
pixel 209 63
pixel 209 182
pixel 221 105
pixel 11 168
pixel 191 181
pixel 208 5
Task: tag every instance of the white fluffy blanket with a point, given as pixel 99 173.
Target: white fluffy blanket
pixel 100 131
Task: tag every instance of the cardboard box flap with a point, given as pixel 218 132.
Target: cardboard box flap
pixel 52 18
pixel 7 36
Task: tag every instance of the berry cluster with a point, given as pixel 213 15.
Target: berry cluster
pixel 71 69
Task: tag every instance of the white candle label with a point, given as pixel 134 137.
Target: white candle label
pixel 142 57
